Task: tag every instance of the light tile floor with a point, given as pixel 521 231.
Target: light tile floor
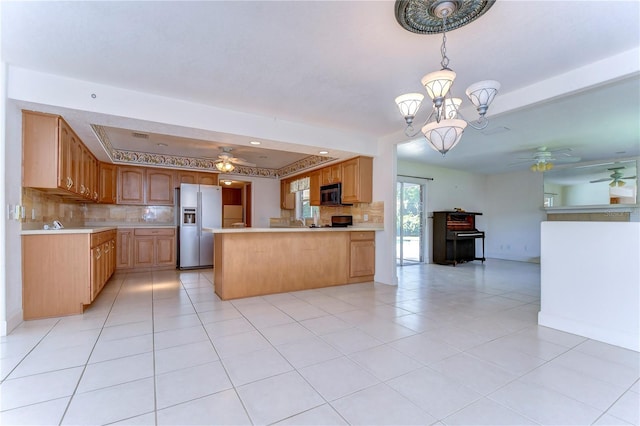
pixel 456 346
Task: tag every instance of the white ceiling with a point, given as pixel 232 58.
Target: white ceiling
pixel 340 64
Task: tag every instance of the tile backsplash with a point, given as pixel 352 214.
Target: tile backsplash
pixel 42 208
pixel 374 212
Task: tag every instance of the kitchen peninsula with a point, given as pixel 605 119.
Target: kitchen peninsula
pixel 260 261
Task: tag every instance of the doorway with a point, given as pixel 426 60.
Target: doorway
pixel 410 223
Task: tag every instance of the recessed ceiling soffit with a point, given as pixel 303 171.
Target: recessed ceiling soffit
pixel 200 164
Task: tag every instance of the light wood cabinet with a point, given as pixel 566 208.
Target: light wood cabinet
pixel 357 180
pixel 55 159
pixel 61 273
pixel 208 178
pixel 201 178
pixel 314 187
pixel 362 254
pixel 160 187
pixel 145 186
pixel 154 247
pixel 130 185
pixel 124 249
pixel 108 181
pixel 287 198
pixel 331 174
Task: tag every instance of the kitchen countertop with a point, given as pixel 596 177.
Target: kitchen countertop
pixel 80 230
pixel 90 229
pixel 273 230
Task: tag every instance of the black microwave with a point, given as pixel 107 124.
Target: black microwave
pixel 331 195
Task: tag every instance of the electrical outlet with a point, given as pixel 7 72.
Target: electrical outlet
pixel 365 217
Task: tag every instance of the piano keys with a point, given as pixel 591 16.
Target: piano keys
pixel 454 237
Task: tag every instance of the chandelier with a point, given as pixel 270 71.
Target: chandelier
pixel 225 166
pixel 445 124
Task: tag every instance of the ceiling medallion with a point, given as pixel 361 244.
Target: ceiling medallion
pixel 425 16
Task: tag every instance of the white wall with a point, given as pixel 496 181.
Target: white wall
pixel 590 280
pixel 264 191
pixel 588 194
pixel 513 215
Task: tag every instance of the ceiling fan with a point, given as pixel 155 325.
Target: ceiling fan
pixel 226 162
pixel 543 158
pixel 615 177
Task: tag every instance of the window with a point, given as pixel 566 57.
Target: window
pixel 303 206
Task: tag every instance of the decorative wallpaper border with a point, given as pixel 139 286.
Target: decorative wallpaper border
pixel 194 163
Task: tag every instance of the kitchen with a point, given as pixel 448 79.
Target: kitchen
pixel 146 203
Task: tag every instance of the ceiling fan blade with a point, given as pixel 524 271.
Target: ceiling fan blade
pixel 242 162
pixel 600 180
pixel 630 177
pixel 565 160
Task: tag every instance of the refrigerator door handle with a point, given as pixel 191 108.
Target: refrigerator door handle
pixel 199 214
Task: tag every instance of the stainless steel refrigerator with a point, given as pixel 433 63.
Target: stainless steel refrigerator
pixel 200 206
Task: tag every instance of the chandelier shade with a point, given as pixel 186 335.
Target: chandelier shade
pixel 444 135
pixel 438 83
pixel 451 107
pixel 409 103
pixel 481 94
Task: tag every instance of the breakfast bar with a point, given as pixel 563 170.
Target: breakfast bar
pixel 260 261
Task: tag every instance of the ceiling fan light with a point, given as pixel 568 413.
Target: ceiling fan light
pixel 482 93
pixel 409 103
pixel 446 134
pixel 438 83
pixel 548 166
pixel 225 166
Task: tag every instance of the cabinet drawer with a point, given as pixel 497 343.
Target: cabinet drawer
pixel 102 237
pixel 154 231
pixel 362 235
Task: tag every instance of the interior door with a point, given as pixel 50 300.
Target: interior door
pixel 410 223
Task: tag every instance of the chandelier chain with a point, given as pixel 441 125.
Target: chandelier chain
pixel 443 48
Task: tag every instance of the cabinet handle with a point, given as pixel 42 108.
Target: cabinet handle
pixel 98 254
pixel 69 182
pixel 82 189
pixel 95 195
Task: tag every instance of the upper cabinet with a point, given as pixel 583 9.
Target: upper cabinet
pixel 357 180
pixel 145 186
pixel 131 185
pixel 160 187
pixel 314 187
pixel 107 183
pixel 331 174
pixel 54 158
pixel 202 178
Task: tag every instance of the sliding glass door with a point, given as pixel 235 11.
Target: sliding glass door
pixel 410 223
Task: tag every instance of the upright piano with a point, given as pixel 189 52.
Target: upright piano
pixel 454 237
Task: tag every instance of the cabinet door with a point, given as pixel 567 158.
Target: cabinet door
pixel 97 273
pixel 159 187
pixel 107 183
pixel 65 153
pixel 186 177
pixel 336 173
pixel 76 162
pixel 285 187
pixel 326 176
pixel 165 251
pixel 130 185
pixel 357 179
pixel 143 251
pixel 208 178
pixel 314 187
pixel 362 261
pixel 124 249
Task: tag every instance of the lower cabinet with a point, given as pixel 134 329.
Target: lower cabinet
pixel 62 273
pixel 146 248
pixel 103 260
pixel 362 255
